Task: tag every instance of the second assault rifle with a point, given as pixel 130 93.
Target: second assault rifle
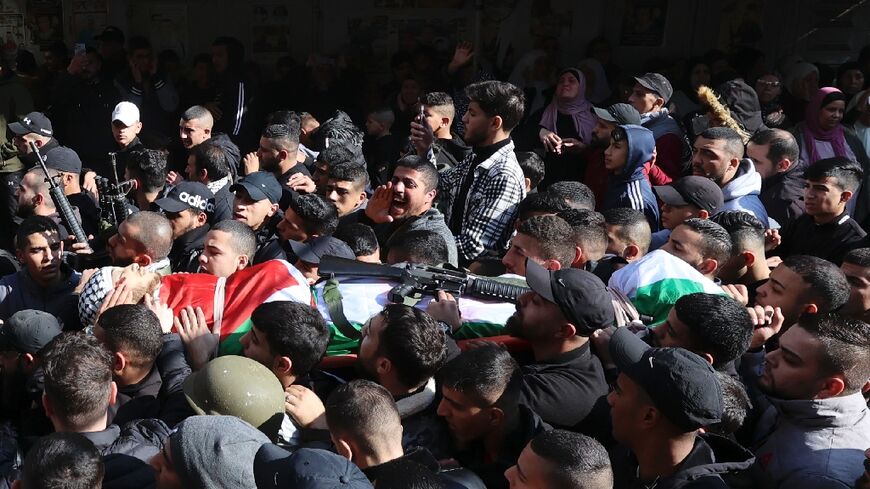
pixel 421 279
pixel 61 203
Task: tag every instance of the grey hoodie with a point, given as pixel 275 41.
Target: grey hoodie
pixel 214 452
pixel 812 444
pixel 741 193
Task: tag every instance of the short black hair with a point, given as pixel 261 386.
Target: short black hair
pixel 319 216
pixel 424 167
pixel 78 378
pixel 243 239
pixel 631 226
pixel 858 256
pixel 554 236
pixel 487 375
pixel 34 225
pixel 440 101
pixel 721 325
pixel 364 411
pixel 282 136
pixel 715 240
pixel 353 173
pixel 405 473
pixel 590 229
pixel 576 194
pixel 829 288
pixel 360 237
pixel 420 246
pixel 413 342
pixel 533 167
pixel 497 98
pixel 746 230
pixel 338 129
pixel 540 202
pixel 65 459
pixel 845 343
pixel 733 141
pixel 846 171
pixel 339 154
pixel 134 330
pixel 577 461
pixel 735 406
pixel 783 144
pixel 293 330
pixel 210 155
pixel 149 167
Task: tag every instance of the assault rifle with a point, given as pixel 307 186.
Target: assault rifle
pixel 422 279
pixel 61 203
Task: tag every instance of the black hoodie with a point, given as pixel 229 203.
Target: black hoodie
pixel 712 458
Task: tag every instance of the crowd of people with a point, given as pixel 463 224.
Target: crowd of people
pixel 205 279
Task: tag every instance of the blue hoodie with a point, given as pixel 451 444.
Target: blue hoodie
pixel 630 188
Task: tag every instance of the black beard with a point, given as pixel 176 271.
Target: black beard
pixel 514 327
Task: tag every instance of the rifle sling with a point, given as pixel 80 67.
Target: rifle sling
pixel 332 297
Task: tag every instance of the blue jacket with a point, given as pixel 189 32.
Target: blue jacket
pixel 630 188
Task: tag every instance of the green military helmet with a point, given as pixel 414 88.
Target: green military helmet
pixel 237 386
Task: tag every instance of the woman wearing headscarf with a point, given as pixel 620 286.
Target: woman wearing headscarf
pixel 566 128
pixel 801 82
pixel 822 135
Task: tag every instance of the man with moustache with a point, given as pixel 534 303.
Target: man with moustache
pixel 557 317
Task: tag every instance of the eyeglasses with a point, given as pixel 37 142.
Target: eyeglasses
pixel 768 84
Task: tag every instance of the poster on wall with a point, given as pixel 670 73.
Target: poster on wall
pixel 45 21
pixel 165 24
pixel 88 18
pixel 643 23
pixel 512 28
pixel 270 29
pixel 740 24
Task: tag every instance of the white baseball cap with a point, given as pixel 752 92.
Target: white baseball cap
pixel 126 112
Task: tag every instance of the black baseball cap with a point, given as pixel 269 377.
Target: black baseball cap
pixel 63 159
pixel 260 185
pixel 619 114
pixel 316 248
pixel 187 195
pixel 28 331
pixel 582 297
pixel 34 122
pixel 699 191
pixel 306 468
pixel 680 383
pixel 110 33
pixel 657 83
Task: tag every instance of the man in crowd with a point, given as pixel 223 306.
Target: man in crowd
pixel 210 165
pixel 776 156
pixel 68 166
pixel 481 194
pixel 747 265
pixel 256 204
pixel 147 169
pixel 45 282
pixel 546 240
pixel 144 238
pixel 309 254
pixel 188 207
pixel 229 246
pixel 650 96
pixel 480 391
pixel 562 459
pixel 406 204
pixel 62 459
pixel 596 174
pixel 826 230
pixel 346 188
pixel 309 216
pixel 718 155
pixel 279 144
pixel 686 198
pixel 126 127
pixel 856 267
pixel 144 85
pixel 628 233
pixel 701 243
pixel 817 425
pixel 195 126
pixel 34 199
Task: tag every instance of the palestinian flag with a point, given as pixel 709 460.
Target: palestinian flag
pixel 656 281
pixel 231 301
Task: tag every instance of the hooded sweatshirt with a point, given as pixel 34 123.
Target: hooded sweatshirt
pixel 629 187
pixel 214 452
pixel 671 144
pixel 741 193
pixel 812 444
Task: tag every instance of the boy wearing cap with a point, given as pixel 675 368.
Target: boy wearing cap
pixel 310 252
pixel 187 206
pixel 650 96
pixel 256 204
pixel 662 397
pixel 683 199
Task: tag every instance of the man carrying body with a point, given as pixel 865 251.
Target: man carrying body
pixel 144 238
pixel 256 204
pixel 187 206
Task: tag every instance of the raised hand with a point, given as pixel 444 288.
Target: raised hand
pixel 378 207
